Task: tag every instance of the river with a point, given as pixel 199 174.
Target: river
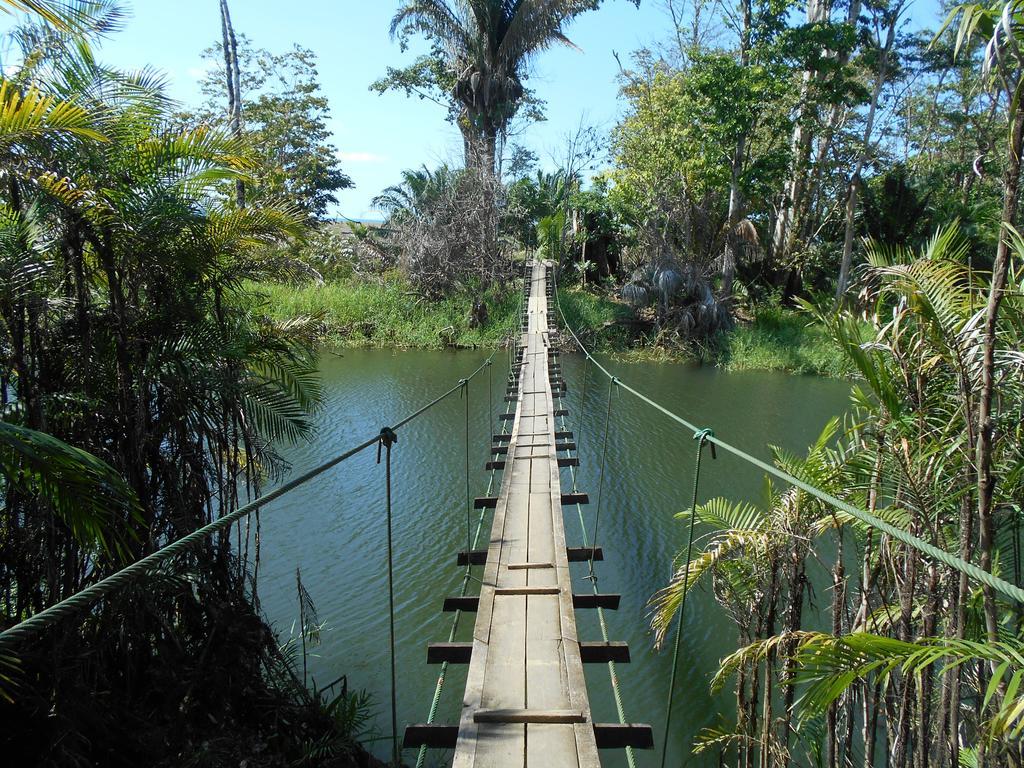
pixel 333 529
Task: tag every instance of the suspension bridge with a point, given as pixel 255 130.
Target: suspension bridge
pixel 526 699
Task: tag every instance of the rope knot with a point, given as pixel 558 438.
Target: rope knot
pixel 702 436
pixel 386 440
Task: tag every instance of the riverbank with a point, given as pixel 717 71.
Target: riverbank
pixel 390 313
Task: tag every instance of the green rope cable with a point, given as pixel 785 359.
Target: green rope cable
pixel 118 580
pixel 701 437
pixel 939 555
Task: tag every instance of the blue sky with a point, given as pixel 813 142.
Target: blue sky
pixel 377 136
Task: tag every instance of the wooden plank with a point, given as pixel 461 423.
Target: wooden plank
pixel 582 554
pixel 616 736
pixel 485 502
pixel 431 735
pixel 568 499
pixel 529 566
pixel 524 590
pixel 599 652
pixel 573 554
pixel 530 716
pixel 461 603
pixel 453 653
pixel 600 600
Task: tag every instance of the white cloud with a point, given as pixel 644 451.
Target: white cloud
pixel 361 157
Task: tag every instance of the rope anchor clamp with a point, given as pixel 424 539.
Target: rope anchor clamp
pixel 387 439
pixel 702 436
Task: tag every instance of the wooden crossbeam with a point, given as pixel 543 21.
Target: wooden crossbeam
pixel 565 446
pixel 600 600
pixel 596 652
pixel 471 603
pixel 453 653
pixel 569 499
pixel 568 461
pixel 498 465
pixel 582 554
pixel 573 554
pixel 431 735
pixel 526 716
pixel 616 736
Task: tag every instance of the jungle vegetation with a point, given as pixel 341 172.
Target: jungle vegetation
pixel 141 397
pixel 814 159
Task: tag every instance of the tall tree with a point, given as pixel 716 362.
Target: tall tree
pixel 285 129
pixel 487 45
pixel 233 85
pixel 885 19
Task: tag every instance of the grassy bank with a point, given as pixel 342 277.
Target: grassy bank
pixel 391 313
pixel 779 340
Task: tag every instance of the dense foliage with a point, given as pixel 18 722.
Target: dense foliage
pixel 125 332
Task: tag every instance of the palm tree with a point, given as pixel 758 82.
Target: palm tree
pixel 489 44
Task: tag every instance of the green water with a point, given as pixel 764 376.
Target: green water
pixel 333 529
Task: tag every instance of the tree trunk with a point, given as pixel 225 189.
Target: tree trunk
pixel 817 12
pixel 234 86
pixel 735 195
pixel 986 427
pixel 854 186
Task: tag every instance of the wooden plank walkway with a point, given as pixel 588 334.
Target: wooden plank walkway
pixel 526 698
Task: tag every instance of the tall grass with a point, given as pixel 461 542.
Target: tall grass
pixel 779 340
pixel 392 314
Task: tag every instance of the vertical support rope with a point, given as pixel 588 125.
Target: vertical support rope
pixel 490 399
pixel 579 422
pixel 701 437
pixel 387 439
pixel 600 484
pixel 469 499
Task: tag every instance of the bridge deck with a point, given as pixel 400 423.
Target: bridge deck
pixel 526 698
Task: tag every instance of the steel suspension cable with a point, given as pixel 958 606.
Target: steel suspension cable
pixel 701 438
pixel 939 555
pixel 121 578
